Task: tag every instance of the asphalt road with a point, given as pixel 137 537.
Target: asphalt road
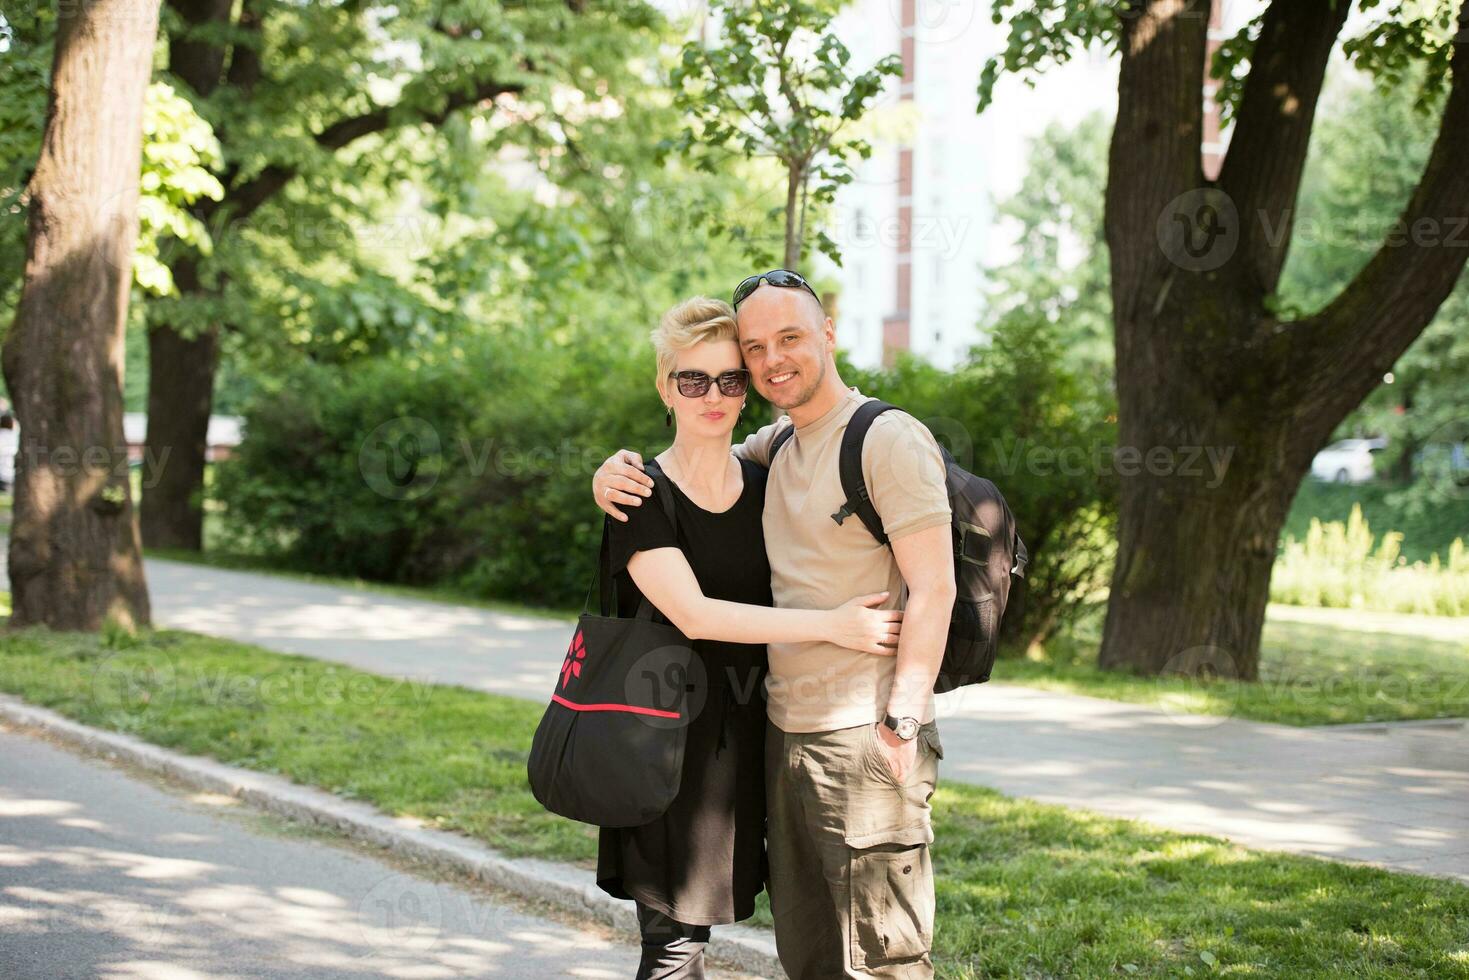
pixel 106 873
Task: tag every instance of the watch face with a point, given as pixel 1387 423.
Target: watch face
pixel 907 728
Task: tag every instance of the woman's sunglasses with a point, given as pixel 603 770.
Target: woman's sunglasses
pixel 775 277
pixel 695 384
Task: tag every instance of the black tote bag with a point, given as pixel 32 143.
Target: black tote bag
pixel 609 749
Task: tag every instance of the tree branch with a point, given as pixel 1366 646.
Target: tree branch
pixel 1267 152
pixel 244 70
pixel 1343 351
pixel 242 201
pixel 198 63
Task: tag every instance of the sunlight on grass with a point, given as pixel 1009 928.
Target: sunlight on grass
pixel 1024 889
pixel 1311 673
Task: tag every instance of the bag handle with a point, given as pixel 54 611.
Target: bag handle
pixel 605 579
pixel 663 490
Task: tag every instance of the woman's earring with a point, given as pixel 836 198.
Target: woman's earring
pixel 669 420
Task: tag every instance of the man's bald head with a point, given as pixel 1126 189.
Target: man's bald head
pixel 787 341
pixel 788 303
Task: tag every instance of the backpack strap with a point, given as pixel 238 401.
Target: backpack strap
pixel 850 468
pixel 663 490
pixel 781 438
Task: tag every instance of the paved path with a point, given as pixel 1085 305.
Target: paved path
pixel 1396 795
pixel 107 875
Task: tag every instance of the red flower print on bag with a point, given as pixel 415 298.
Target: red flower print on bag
pixel 575 654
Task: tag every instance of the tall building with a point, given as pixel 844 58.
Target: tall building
pixel 918 225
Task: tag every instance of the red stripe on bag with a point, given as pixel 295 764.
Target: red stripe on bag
pixel 613 707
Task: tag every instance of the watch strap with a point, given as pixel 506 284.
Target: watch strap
pixel 893 723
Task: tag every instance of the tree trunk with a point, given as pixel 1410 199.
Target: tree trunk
pixel 1202 361
pixel 75 557
pixel 180 400
pixel 180 369
pixel 1401 469
pixel 1203 496
pixel 792 257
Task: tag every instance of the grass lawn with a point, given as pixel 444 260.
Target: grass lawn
pixel 1026 890
pixel 1310 674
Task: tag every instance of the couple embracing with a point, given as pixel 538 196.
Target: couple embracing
pixel 810 768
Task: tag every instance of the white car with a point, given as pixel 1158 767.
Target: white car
pixel 1348 461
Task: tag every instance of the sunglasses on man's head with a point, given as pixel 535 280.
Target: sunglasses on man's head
pixel 695 384
pixel 775 277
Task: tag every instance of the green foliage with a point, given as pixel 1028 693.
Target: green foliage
pixel 778 83
pixel 180 154
pixel 349 245
pixel 1367 153
pixel 1342 565
pixel 1050 367
pixel 1397 37
pixel 179 158
pixel 548 213
pixel 493 280
pixel 539 304
pixel 1424 534
pixel 1042 35
pixel 25 78
pixel 1231 67
pixel 502 434
pixel 1060 271
pixel 1409 46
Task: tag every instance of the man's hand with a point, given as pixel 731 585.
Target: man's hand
pixel 621 480
pixel 901 756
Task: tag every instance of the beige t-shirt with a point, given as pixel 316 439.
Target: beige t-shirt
pixel 817 564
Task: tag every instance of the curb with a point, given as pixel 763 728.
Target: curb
pixel 561 885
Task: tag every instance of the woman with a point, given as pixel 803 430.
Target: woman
pixel 703 861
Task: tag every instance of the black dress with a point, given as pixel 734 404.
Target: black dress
pixel 703 861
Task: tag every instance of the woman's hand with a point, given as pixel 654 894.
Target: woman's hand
pixel 857 626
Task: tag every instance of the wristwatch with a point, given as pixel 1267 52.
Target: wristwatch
pixel 905 727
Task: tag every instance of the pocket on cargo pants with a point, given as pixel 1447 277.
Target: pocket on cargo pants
pixel 890 871
pixel 892 903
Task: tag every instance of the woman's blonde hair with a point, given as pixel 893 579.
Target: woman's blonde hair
pixel 691 322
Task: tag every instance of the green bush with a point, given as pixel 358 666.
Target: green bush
pixel 1341 565
pixel 1426 531
pixel 471 468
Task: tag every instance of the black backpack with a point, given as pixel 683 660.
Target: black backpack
pixel 987 549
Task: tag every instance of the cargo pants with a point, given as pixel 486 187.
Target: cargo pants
pixel 851 880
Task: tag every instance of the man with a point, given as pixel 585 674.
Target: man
pixel 852 749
